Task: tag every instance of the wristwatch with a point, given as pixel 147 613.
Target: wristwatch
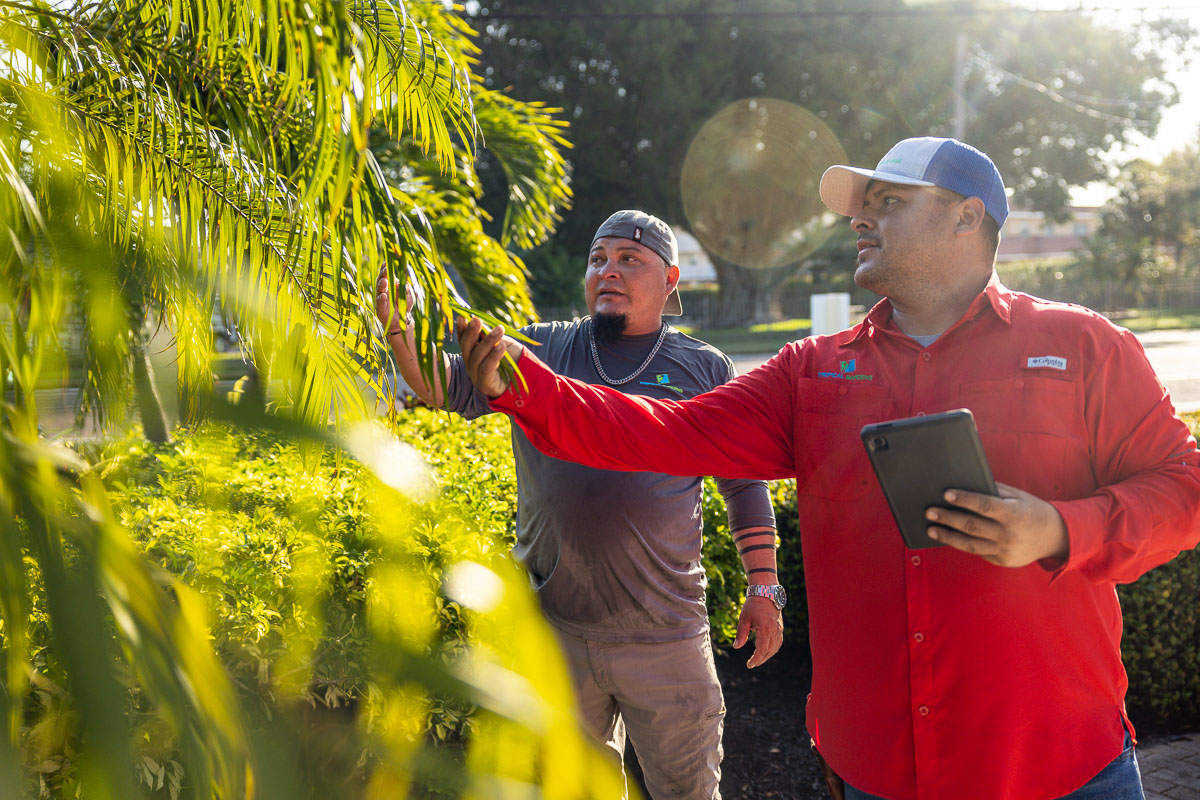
pixel 775 593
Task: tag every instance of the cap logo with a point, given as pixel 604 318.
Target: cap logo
pixel 891 161
pixel 637 233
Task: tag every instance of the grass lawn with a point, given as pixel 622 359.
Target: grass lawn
pixel 1141 321
pixel 764 338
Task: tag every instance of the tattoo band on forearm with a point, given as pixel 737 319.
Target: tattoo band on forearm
pixel 753 534
pixel 771 570
pixel 754 547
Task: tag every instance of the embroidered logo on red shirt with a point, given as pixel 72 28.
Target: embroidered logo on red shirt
pixel 1049 362
pixel 847 371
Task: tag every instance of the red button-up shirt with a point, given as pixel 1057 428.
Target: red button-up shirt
pixel 935 673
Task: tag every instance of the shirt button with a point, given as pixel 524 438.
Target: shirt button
pixel 927 356
pixel 842 390
pixel 920 413
pixel 1020 384
pixel 918 637
pixel 923 711
pixel 519 403
pixel 552 452
pixel 916 561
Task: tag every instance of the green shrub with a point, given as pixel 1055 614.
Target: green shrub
pixel 238 517
pixel 1161 642
pixel 727 581
pixel 292 563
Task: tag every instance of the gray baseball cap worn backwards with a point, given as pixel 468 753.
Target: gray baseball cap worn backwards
pixel 924 161
pixel 649 231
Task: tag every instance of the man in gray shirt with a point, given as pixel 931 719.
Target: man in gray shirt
pixel 615 556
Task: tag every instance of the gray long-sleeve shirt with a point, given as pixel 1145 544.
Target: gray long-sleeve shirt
pixel 615 556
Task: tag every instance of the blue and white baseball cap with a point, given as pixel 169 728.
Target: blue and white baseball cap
pixel 924 161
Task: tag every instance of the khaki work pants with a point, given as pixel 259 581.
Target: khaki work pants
pixel 665 696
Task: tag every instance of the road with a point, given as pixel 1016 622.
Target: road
pixel 1174 354
pixel 1176 358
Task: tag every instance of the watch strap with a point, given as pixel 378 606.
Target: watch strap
pixel 773 592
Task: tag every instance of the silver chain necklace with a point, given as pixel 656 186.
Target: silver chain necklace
pixel 662 334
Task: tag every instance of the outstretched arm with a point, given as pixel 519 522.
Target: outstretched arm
pixel 742 429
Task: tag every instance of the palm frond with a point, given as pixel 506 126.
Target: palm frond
pixel 162 158
pixel 527 140
pixel 417 74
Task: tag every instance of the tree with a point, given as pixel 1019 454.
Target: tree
pixel 1152 226
pixel 1047 95
pixel 161 158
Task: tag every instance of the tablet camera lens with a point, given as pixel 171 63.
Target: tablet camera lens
pixel 879 443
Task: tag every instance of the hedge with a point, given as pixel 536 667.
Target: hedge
pixel 1161 643
pixel 297 564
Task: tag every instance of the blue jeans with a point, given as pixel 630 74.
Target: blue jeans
pixel 1120 780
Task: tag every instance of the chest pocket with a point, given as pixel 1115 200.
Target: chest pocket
pixel 1029 427
pixel 831 462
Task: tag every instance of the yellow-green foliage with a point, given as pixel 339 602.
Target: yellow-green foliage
pixel 238 518
pixel 390 642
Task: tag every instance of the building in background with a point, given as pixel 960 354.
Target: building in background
pixel 1029 236
pixel 695 268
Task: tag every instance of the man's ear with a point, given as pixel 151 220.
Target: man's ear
pixel 970 216
pixel 672 277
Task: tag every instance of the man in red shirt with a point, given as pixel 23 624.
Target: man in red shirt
pixel 989 668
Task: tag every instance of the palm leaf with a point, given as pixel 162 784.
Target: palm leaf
pixel 527 140
pixel 161 158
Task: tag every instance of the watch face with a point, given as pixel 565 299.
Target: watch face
pixel 781 596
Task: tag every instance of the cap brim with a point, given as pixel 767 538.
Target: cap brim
pixel 673 307
pixel 843 189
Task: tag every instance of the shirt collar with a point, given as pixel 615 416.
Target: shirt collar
pixel 994 295
pixel 1000 297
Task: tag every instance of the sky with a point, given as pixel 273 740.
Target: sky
pixel 1180 123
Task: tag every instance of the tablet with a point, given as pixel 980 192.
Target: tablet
pixel 918 458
